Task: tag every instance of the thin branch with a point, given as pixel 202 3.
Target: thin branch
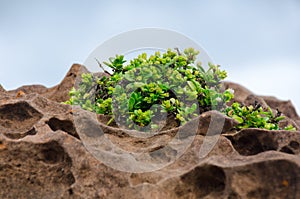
pixel 177 49
pixel 100 65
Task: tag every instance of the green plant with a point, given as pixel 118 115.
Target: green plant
pixel 83 96
pixel 170 83
pixel 255 117
pixel 165 83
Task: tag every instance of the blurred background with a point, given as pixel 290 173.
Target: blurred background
pixel 256 41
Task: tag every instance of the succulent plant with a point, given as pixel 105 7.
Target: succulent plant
pixel 169 83
pixel 256 117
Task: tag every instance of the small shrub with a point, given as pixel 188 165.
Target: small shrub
pixel 169 82
pixel 165 83
pixel 255 117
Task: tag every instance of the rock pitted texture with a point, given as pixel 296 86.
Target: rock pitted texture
pixel 42 154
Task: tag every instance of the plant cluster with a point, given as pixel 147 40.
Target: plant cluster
pixel 169 83
pixel 255 117
pixel 83 96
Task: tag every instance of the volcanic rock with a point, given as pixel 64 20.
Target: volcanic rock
pixel 52 150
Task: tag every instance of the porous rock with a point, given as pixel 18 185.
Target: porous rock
pixel 43 155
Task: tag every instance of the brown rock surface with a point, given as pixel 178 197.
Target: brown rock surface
pixel 42 153
pixel 1 89
pixel 57 93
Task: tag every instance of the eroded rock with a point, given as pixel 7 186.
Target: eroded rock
pixel 17 120
pixel 254 141
pixel 43 153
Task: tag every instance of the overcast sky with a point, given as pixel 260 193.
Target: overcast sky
pixel 256 41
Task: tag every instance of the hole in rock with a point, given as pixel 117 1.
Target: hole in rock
pixel 14 135
pixel 18 116
pixel 70 191
pixel 41 169
pixel 250 143
pixel 63 125
pixel 202 181
pixel 52 153
pixel 295 145
pixel 286 149
pixel 266 179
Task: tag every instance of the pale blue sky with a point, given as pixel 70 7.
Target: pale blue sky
pixel 256 41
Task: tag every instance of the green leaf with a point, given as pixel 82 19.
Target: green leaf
pixel 131 103
pixel 128 77
pixel 138 84
pixel 279 118
pixel 191 85
pixel 290 128
pixel 238 119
